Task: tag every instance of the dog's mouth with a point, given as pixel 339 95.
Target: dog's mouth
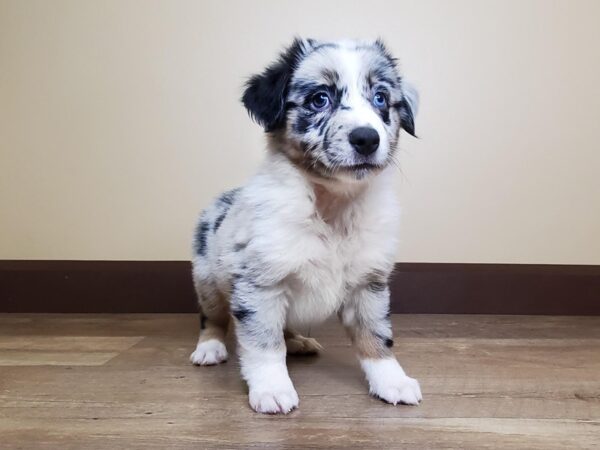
pixel 362 167
pixel 358 171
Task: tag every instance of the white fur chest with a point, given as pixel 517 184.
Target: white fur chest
pixel 318 287
pixel 340 254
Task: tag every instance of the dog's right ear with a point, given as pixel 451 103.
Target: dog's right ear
pixel 409 107
pixel 265 93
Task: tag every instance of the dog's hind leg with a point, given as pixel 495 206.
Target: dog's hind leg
pixel 214 321
pixel 300 345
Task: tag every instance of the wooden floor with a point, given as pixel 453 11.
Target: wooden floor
pixel 124 381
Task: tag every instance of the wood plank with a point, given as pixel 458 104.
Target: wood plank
pixel 61 350
pixel 295 431
pixel 68 343
pixel 28 358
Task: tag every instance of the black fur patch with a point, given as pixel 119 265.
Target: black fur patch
pixel 386 53
pixel 202 321
pixel 229 197
pixel 303 123
pixel 407 120
pixel 381 75
pixel 388 342
pixel 385 115
pixel 303 89
pixel 219 220
pixel 200 241
pixel 321 124
pixel 265 94
pixel 326 143
pixel 241 313
pixel 331 76
pixel 376 286
pixel 226 200
pixel 240 246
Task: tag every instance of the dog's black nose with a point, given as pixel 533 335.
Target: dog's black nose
pixel 365 140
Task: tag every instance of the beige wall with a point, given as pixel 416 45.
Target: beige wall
pixel 120 119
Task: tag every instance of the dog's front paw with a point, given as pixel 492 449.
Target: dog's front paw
pixel 208 353
pixel 401 390
pixel 388 382
pixel 271 390
pixel 276 401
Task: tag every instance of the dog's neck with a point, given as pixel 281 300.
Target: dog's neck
pixel 335 201
pixel 335 205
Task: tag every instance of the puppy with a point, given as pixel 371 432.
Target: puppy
pixel 313 233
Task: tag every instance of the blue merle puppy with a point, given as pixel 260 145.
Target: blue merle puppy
pixel 314 232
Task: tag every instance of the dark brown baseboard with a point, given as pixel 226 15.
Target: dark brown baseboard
pixel 165 286
pixel 496 289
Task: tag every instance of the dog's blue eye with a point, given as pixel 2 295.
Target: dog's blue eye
pixel 379 100
pixel 320 100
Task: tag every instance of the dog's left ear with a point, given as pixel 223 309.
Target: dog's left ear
pixel 409 107
pixel 265 93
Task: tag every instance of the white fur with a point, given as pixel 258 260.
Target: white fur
pixel 388 382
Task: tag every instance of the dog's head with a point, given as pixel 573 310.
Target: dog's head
pixel 334 108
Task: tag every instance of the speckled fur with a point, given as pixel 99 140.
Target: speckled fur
pixel 314 232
